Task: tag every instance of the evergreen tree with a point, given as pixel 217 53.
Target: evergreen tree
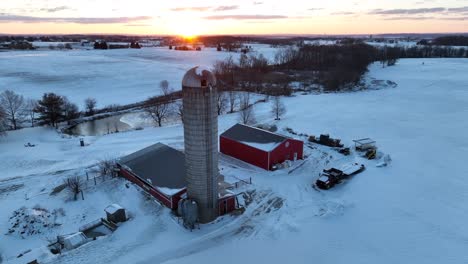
pixel 51 109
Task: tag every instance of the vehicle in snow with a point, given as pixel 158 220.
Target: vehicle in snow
pixel 326 140
pixel 331 177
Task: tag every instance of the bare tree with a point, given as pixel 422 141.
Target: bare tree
pixel 2 121
pixel 246 113
pixel 70 111
pixel 90 106
pixel 159 108
pixel 164 86
pixel 74 185
pixel 106 167
pixel 277 108
pixel 180 110
pixel 232 97
pixel 244 101
pixel 12 104
pixel 221 102
pixel 30 110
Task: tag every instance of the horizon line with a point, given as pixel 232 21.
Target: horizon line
pixel 235 35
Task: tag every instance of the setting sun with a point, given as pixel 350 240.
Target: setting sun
pixel 188 30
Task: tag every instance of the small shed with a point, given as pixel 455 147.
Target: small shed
pixel 259 147
pixel 115 213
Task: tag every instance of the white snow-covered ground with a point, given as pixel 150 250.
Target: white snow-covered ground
pixel 413 211
pixel 119 76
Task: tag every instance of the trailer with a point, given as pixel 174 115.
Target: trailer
pixel 330 177
pixel 326 140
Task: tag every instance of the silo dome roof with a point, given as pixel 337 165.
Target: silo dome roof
pixel 198 77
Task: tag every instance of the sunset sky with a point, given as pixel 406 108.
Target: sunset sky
pixel 185 17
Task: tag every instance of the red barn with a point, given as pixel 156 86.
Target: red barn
pixel 259 147
pixel 160 171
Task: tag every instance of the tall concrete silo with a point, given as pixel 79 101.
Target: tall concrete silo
pixel 201 140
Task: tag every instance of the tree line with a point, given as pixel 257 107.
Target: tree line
pixel 333 66
pixel 51 109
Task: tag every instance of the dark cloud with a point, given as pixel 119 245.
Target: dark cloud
pixel 407 11
pixel 192 8
pixel 458 9
pixel 55 9
pixel 138 25
pixel 343 13
pixel 426 18
pixel 9 18
pixel 205 8
pixel 226 8
pixel 245 17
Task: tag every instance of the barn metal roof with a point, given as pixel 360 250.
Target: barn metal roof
pixel 255 137
pixel 162 165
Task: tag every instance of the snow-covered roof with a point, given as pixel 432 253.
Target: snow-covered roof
pixel 169 191
pixel 111 209
pixel 350 168
pixel 323 178
pixel 74 240
pixel 254 137
pixel 161 164
pixel 364 141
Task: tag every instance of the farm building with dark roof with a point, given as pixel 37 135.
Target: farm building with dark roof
pixel 160 171
pixel 259 147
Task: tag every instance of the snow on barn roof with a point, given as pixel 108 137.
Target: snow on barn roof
pixel 111 209
pixel 159 165
pixel 254 137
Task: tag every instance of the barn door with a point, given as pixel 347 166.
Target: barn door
pixel 224 208
pixel 295 156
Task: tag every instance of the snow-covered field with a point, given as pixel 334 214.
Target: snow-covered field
pixel 413 211
pixel 119 76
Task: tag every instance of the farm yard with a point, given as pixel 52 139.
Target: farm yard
pixel 409 211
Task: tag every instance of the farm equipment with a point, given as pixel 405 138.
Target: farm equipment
pixel 367 146
pixel 326 140
pixel 333 176
pixel 364 144
pixel 344 151
pixel 371 154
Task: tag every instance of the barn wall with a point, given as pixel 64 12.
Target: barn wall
pixel 243 152
pixel 148 188
pixel 283 153
pixel 230 202
pixel 176 198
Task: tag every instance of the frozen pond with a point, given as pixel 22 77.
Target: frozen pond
pixel 113 124
pixel 101 127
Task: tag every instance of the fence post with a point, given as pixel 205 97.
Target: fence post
pixel 94 179
pixel 250 180
pixel 82 196
pixel 87 176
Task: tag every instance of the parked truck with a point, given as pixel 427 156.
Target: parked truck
pixel 331 177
